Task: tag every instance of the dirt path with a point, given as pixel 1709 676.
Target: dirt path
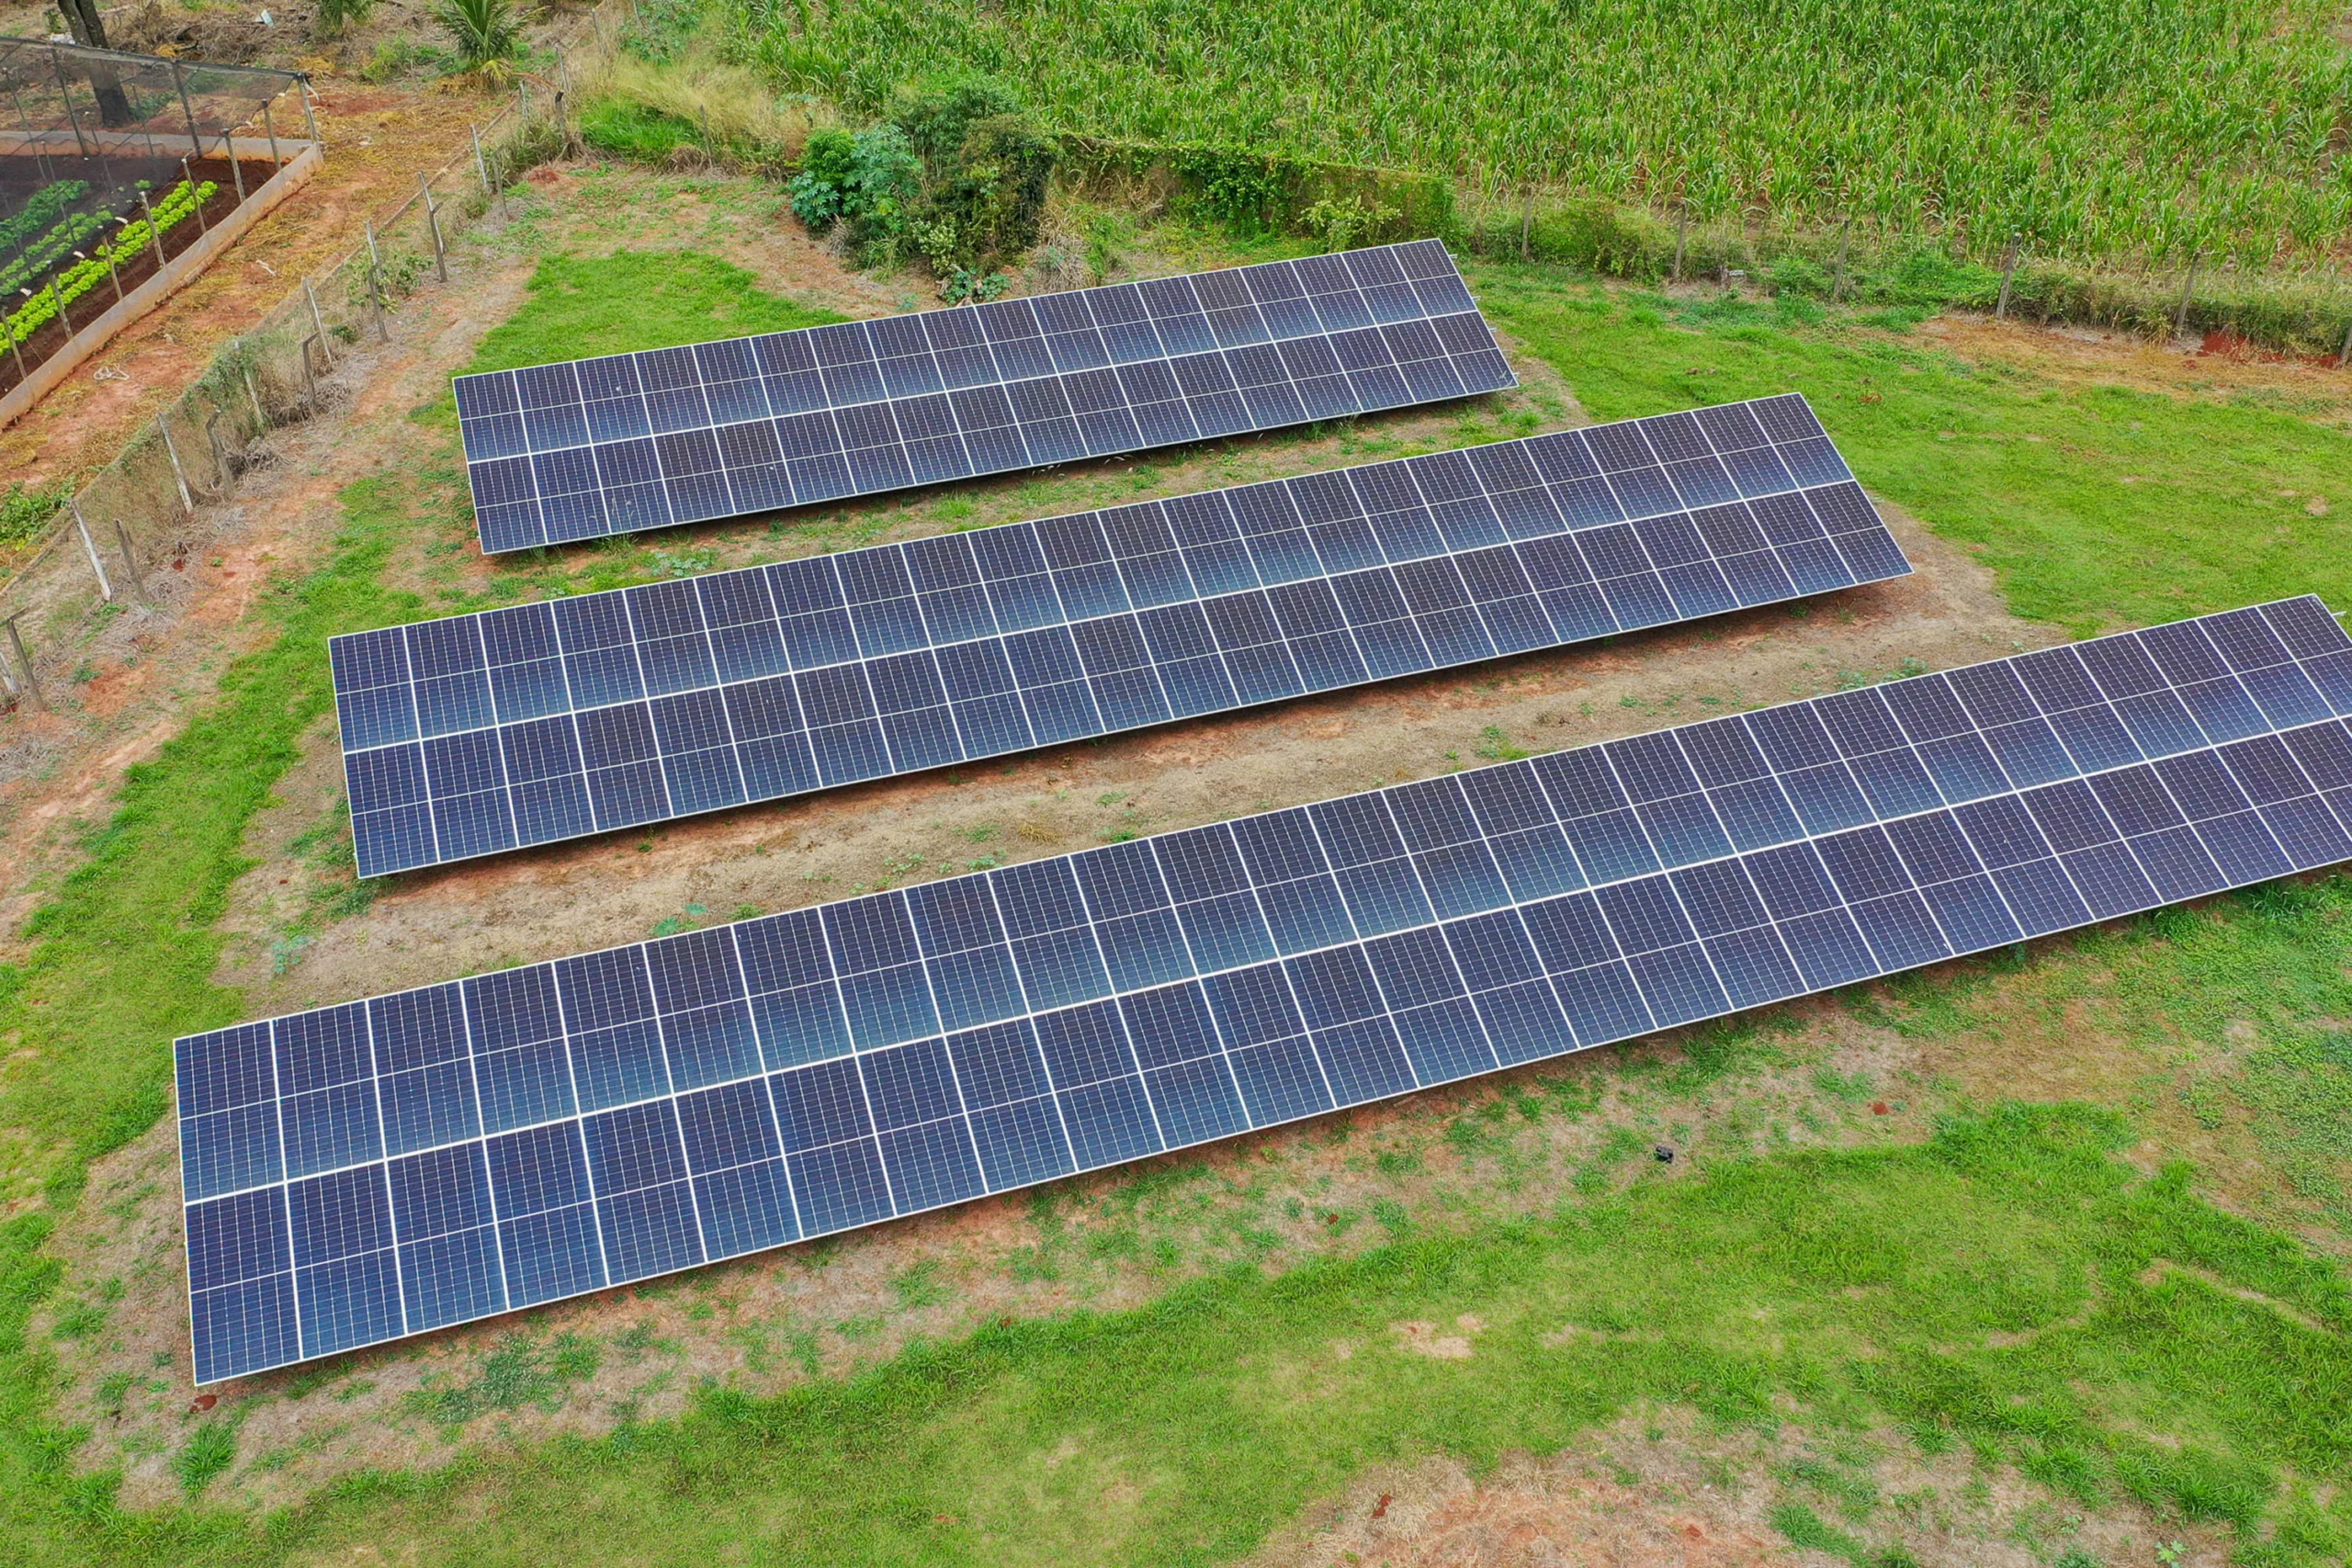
pixel 59 769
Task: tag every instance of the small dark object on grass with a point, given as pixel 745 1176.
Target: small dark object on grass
pixel 1878 1107
pixel 1665 1154
pixel 202 1402
pixel 1380 1509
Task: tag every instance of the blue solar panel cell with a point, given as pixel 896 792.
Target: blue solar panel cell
pixel 610 710
pixel 1162 992
pixel 562 452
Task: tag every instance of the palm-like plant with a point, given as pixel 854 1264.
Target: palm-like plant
pixel 485 31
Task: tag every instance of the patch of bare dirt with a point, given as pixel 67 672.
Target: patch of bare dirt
pixel 1659 1489
pixel 2215 367
pixel 1429 1339
pixel 59 769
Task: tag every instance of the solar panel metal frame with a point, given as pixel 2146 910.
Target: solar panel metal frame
pixel 722 1091
pixel 531 724
pixel 622 443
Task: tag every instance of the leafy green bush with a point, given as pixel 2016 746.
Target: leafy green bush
pixel 821 190
pixel 657 30
pixel 937 115
pixel 957 177
pixel 872 180
pixel 1341 221
pixel 985 204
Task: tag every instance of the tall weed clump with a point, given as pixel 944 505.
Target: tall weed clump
pixel 676 93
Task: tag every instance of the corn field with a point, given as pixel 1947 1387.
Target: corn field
pixel 2091 128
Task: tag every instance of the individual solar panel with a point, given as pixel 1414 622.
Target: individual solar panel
pixel 539 722
pixel 587 447
pixel 362 1172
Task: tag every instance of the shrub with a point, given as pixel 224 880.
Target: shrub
pixel 819 188
pixel 937 116
pixel 659 31
pixel 872 180
pixel 1343 222
pixel 984 206
pixel 957 177
pixel 25 514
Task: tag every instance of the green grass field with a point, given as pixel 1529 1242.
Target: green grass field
pixel 2010 1285
pixel 2101 507
pixel 1840 1283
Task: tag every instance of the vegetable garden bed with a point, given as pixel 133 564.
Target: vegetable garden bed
pixel 59 279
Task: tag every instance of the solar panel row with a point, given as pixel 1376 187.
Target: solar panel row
pixel 361 1172
pixel 634 441
pixel 538 722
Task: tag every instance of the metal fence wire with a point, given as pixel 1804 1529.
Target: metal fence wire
pixel 113 546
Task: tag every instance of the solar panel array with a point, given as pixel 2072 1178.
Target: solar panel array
pixel 627 442
pixel 362 1172
pixel 537 722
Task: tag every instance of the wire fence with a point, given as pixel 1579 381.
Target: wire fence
pixel 89 135
pixel 119 545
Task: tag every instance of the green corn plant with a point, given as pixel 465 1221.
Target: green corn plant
pixel 2093 128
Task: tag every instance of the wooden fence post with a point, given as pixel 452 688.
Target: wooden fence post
pixel 32 682
pixel 188 176
pixel 376 284
pixel 90 548
pixel 317 324
pixel 153 233
pixel 482 165
pixel 130 563
pixel 433 222
pixel 187 502
pixel 309 372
